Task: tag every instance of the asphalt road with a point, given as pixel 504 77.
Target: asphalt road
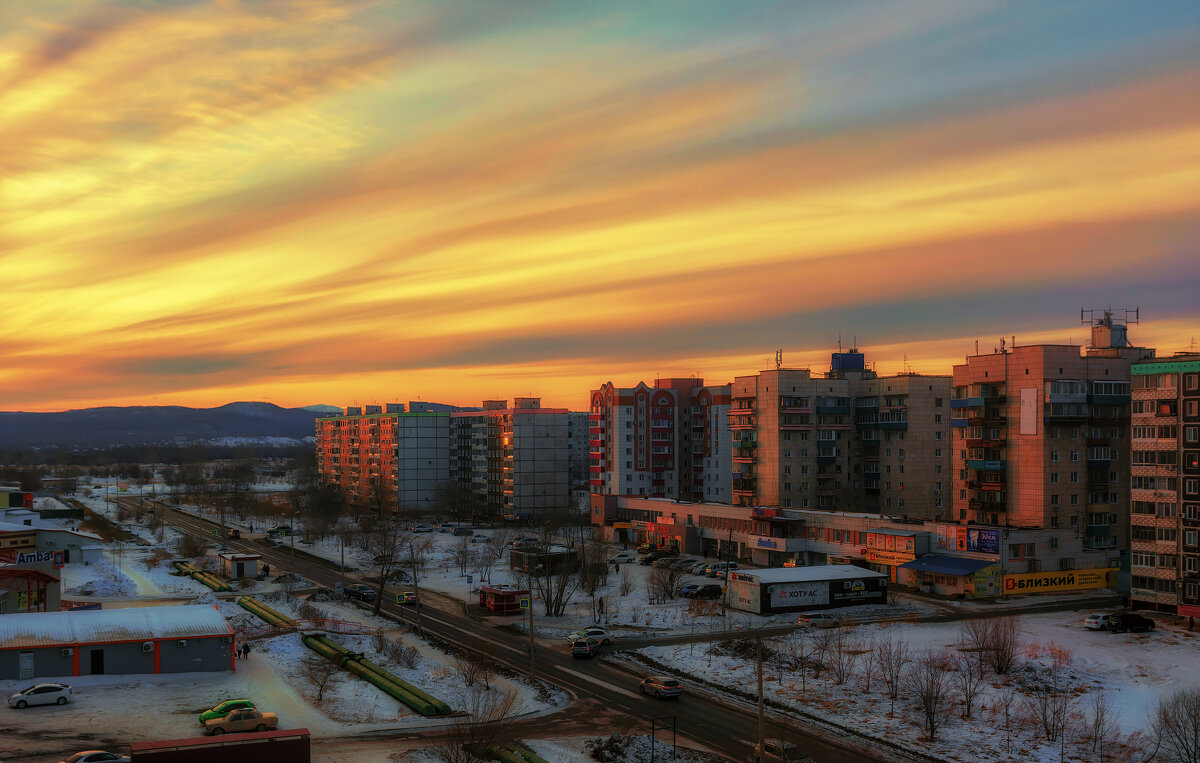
pixel 608 698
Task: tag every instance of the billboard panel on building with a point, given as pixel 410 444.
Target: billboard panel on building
pixel 799 594
pixel 983 541
pixel 745 595
pixel 1066 580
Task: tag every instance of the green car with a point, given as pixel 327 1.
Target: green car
pixel 225 708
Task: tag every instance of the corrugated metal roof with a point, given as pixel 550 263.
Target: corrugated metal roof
pixel 804 574
pixel 33 629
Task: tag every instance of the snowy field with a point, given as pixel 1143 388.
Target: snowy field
pixel 1135 670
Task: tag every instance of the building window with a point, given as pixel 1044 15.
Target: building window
pixel 1054 456
pixel 1074 455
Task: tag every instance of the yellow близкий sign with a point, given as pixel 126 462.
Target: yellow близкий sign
pixel 1065 580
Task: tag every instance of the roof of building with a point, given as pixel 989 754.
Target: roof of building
pixel 12 527
pixel 33 629
pixel 947 565
pixel 890 531
pixel 804 574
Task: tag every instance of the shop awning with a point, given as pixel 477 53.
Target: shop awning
pixel 946 565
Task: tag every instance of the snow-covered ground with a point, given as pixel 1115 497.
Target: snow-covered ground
pixel 1134 669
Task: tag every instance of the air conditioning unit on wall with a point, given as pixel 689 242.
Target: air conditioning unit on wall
pixel 147 646
pixel 182 642
pixel 67 651
pixel 226 639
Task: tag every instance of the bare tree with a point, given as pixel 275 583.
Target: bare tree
pixel 478 727
pixel 468 667
pixel 625 585
pixel 662 582
pixel 386 544
pixel 1175 727
pixel 794 653
pixel 593 575
pixel 843 651
pixel 968 680
pixel 1102 723
pixel 1048 704
pixel 555 586
pixel 928 681
pixel 975 641
pixel 1006 703
pixel 892 655
pixel 1004 644
pixel 462 554
pixel 321 673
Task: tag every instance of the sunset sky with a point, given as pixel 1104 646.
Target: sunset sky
pixel 323 201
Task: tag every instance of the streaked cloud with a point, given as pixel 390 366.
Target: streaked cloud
pixel 310 201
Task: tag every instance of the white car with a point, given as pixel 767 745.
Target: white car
pixel 96 756
pixel 422 529
pixel 599 634
pixel 622 558
pixel 818 621
pixel 41 694
pixel 1097 622
pixel 480 539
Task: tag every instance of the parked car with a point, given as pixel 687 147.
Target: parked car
pixel 601 635
pixel 96 756
pixel 462 531
pixel 779 751
pixel 360 591
pixel 708 591
pixel 238 721
pixel 1097 622
pixel 684 563
pixel 646 548
pixel 233 532
pixel 622 558
pixel 1127 622
pixel 525 542
pixel 222 709
pixel 445 528
pixel 651 557
pixel 719 568
pixel 41 694
pixel 699 568
pixel 661 687
pixel 280 530
pixel 687 590
pixel 585 647
pixel 664 561
pixel 422 529
pixel 480 539
pixel 818 621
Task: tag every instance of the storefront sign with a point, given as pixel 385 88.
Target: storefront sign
pixel 889 557
pixel 621 525
pixel 745 595
pixel 767 543
pixel 799 594
pixel 36 557
pixel 983 541
pixel 763 513
pixel 945 537
pixel 1068 580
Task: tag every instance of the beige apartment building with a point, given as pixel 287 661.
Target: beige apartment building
pixel 844 440
pixel 1165 485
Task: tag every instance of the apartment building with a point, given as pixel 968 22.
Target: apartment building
pixel 514 459
pixel 1041 438
pixel 843 440
pixel 1165 485
pixel 577 449
pixel 671 440
pixel 383 457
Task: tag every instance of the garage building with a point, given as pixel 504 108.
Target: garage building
pixel 178 639
pixel 797 589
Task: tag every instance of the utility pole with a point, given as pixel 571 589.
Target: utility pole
pixel 759 669
pixel 530 600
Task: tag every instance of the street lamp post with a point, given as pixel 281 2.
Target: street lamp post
pixel 653 735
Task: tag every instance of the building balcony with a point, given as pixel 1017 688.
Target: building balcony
pixel 987 421
pixel 986 465
pixel 833 410
pixel 826 460
pixel 595 430
pixel 795 409
pixel 792 427
pixel 596 483
pixel 967 402
pixel 1098 464
pixel 894 426
pixel 958 423
pixel 1110 399
pixel 977 504
pixel 595 443
pixel 744 459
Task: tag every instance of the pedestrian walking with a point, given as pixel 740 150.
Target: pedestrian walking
pixel 1191 622
pixel 616 566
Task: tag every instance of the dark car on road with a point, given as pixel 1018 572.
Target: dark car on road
pixel 359 591
pixel 233 532
pixel 1129 622
pixel 661 687
pixel 707 591
pixel 687 590
pixel 585 647
pixel 652 557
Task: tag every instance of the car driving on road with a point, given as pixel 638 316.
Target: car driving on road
pixel 41 694
pixel 622 558
pixel 96 756
pixel 359 591
pixel 662 687
pixel 586 647
pixel 600 634
pixel 779 751
pixel 818 621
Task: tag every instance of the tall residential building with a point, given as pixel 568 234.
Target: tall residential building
pixel 1041 439
pixel 514 459
pixel 669 441
pixel 577 449
pixel 382 457
pixel 1165 486
pixel 846 440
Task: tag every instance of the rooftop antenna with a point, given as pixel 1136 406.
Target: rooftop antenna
pixel 976 346
pixel 779 359
pixel 1001 345
pixel 839 342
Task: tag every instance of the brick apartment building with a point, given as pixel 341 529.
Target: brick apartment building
pixel 670 440
pixel 844 440
pixel 514 460
pixel 1165 485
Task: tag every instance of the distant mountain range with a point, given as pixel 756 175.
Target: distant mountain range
pixel 160 424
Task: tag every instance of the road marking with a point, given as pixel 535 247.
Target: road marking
pixel 599 682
